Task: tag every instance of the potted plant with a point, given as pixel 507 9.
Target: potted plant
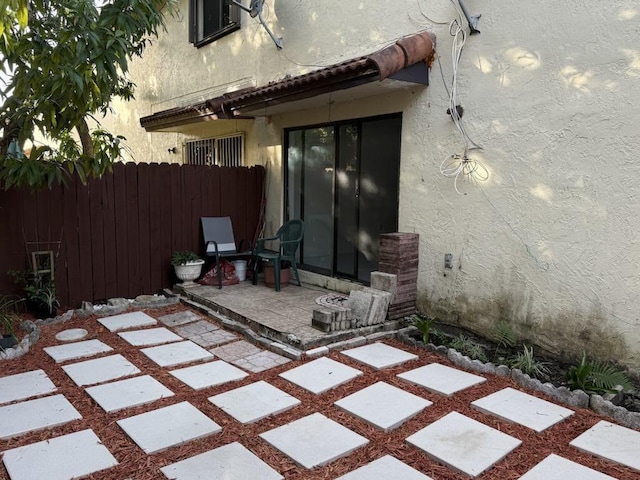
pixel 270 274
pixel 7 318
pixel 187 265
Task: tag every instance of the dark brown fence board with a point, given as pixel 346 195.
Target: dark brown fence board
pixel 144 226
pixel 117 233
pixel 71 252
pixel 109 226
pixel 133 258
pixel 85 235
pixel 121 222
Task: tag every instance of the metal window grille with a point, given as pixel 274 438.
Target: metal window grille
pixel 224 151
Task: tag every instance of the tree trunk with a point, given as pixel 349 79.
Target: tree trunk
pixel 85 138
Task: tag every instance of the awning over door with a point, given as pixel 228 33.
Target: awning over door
pixel 407 60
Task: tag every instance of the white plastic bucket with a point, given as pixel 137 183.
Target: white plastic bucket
pixel 241 269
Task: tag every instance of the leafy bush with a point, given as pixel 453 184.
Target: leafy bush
pixel 594 376
pixel 424 325
pixel 526 363
pixel 468 347
pixel 503 335
pixel 7 314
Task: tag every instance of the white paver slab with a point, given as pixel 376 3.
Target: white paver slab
pixel 555 467
pixel 72 335
pixel 314 440
pixel 383 405
pixel 519 407
pixel 179 318
pixel 612 442
pixel 25 385
pixel 254 402
pixel 24 417
pixel 149 336
pixel 387 467
pixel 176 353
pixel 73 351
pixel 169 426
pixel 128 393
pixel 232 461
pixel 127 320
pixel 441 379
pixel 83 454
pixel 100 370
pixel 320 375
pixel 208 374
pixel 463 443
pixel 379 355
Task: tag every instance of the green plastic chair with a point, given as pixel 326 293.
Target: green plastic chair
pixel 289 237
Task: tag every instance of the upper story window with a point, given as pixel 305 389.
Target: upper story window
pixel 211 19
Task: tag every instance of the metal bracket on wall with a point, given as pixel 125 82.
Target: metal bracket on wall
pixel 472 19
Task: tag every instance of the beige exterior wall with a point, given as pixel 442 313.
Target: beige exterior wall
pixel 550 90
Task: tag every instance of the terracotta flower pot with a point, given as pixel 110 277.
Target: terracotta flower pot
pixel 270 278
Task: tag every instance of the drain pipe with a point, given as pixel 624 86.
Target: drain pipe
pixel 472 19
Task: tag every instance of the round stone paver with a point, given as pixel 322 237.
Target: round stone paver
pixel 72 334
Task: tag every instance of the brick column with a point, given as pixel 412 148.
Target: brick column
pixel 399 254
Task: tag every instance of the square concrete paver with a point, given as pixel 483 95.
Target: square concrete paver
pixel 235 351
pixel 73 351
pixel 261 361
pixel 24 417
pixel 232 461
pixel 215 338
pixel 176 353
pixel 127 320
pixel 612 442
pixel 169 426
pixel 149 336
pixel 179 318
pixel 463 443
pixel 128 393
pixel 25 385
pixel 100 370
pixel 379 355
pixel 555 467
pixel 519 407
pixel 254 402
pixel 320 375
pixel 83 454
pixel 441 379
pixel 387 468
pixel 196 328
pixel 383 405
pixel 314 441
pixel 208 374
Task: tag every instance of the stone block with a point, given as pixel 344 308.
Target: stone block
pixel 385 282
pixel 351 343
pixel 317 352
pixel 322 319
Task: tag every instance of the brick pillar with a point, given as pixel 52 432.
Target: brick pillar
pixel 399 254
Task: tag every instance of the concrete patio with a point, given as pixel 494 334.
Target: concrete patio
pixel 284 316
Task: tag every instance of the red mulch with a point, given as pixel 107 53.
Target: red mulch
pixel 135 464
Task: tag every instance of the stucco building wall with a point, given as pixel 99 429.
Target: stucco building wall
pixel 549 90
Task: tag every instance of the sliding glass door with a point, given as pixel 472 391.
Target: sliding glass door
pixel 342 180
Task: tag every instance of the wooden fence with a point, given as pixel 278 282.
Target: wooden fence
pixel 114 236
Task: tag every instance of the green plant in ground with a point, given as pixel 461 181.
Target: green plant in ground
pixel 182 257
pixel 526 362
pixel 424 325
pixel 503 335
pixel 594 376
pixel 39 291
pixel 468 347
pixel 7 314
